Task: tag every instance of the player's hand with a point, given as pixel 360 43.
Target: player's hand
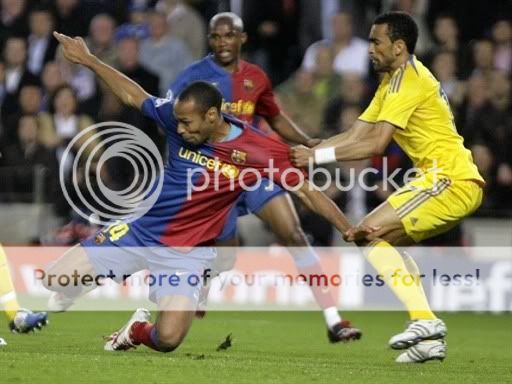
pixel 313 142
pixel 301 155
pixel 359 232
pixel 74 49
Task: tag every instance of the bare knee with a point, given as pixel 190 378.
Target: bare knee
pixel 170 339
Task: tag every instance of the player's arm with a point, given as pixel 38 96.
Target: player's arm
pixel 319 203
pixel 289 131
pixel 76 51
pixel 362 141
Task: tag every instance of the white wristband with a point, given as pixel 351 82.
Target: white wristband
pixel 325 155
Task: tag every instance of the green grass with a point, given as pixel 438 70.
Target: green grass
pixel 269 347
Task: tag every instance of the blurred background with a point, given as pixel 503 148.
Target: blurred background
pixel 315 52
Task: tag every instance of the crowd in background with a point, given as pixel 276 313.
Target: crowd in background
pixel 315 52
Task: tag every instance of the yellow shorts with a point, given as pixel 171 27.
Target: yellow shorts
pixel 431 205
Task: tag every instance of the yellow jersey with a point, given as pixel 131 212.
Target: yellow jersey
pixel 414 102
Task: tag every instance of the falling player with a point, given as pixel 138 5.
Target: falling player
pixel 174 237
pixel 410 107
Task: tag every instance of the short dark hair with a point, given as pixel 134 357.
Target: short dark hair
pixel 401 26
pixel 204 94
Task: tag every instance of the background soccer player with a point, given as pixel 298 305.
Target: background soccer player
pixel 410 107
pixel 199 138
pixel 20 320
pixel 248 95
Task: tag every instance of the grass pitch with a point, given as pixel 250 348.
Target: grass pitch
pixel 268 347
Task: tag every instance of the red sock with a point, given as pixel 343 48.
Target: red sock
pixel 315 278
pixel 144 333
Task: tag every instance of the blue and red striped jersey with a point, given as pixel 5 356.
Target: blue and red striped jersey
pixel 180 219
pixel 247 92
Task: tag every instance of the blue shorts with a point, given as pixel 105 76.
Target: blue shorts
pixel 117 252
pixel 249 202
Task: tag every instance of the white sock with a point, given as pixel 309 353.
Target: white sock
pixel 332 317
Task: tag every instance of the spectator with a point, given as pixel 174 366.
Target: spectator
pixel 13 20
pixel 298 100
pixel 83 83
pixel 417 9
pixel 477 94
pixel 63 123
pixel 326 80
pixel 71 17
pixel 185 24
pixel 272 30
pixel 41 44
pixel 162 54
pixel 128 52
pixel 446 39
pixel 16 75
pixel 352 90
pixel 137 26
pixel 491 130
pixel 483 57
pixel 29 102
pixel 502 37
pixel 350 52
pixel 444 68
pixel 128 57
pixel 22 157
pixel 101 38
pixel 51 78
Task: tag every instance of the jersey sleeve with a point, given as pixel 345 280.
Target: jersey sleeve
pixel 372 112
pixel 266 105
pixel 400 102
pixel 161 111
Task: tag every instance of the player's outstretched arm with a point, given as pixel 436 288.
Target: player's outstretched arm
pixel 319 203
pixel 76 51
pixel 289 131
pixel 362 141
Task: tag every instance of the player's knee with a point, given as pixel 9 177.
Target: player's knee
pixel 169 340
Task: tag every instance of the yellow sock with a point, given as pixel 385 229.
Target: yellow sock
pixel 7 295
pixel 402 277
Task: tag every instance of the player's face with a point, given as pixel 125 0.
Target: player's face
pixel 382 50
pixel 226 42
pixel 193 126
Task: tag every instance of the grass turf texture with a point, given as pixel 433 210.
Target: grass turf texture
pixel 268 347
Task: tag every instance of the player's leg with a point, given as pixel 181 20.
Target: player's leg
pixel 20 320
pixel 280 214
pixel 165 335
pixel 111 253
pixel 177 302
pixel 425 208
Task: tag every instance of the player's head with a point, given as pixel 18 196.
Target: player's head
pixel 197 109
pixel 392 38
pixel 226 36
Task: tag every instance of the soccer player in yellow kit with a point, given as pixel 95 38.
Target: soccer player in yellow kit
pixel 20 320
pixel 410 107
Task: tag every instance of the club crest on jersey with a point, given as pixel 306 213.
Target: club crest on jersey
pixel 100 238
pixel 238 157
pixel 248 84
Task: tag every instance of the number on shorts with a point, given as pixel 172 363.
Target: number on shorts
pixel 117 231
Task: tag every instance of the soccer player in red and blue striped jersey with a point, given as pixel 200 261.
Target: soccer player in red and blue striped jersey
pixel 199 137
